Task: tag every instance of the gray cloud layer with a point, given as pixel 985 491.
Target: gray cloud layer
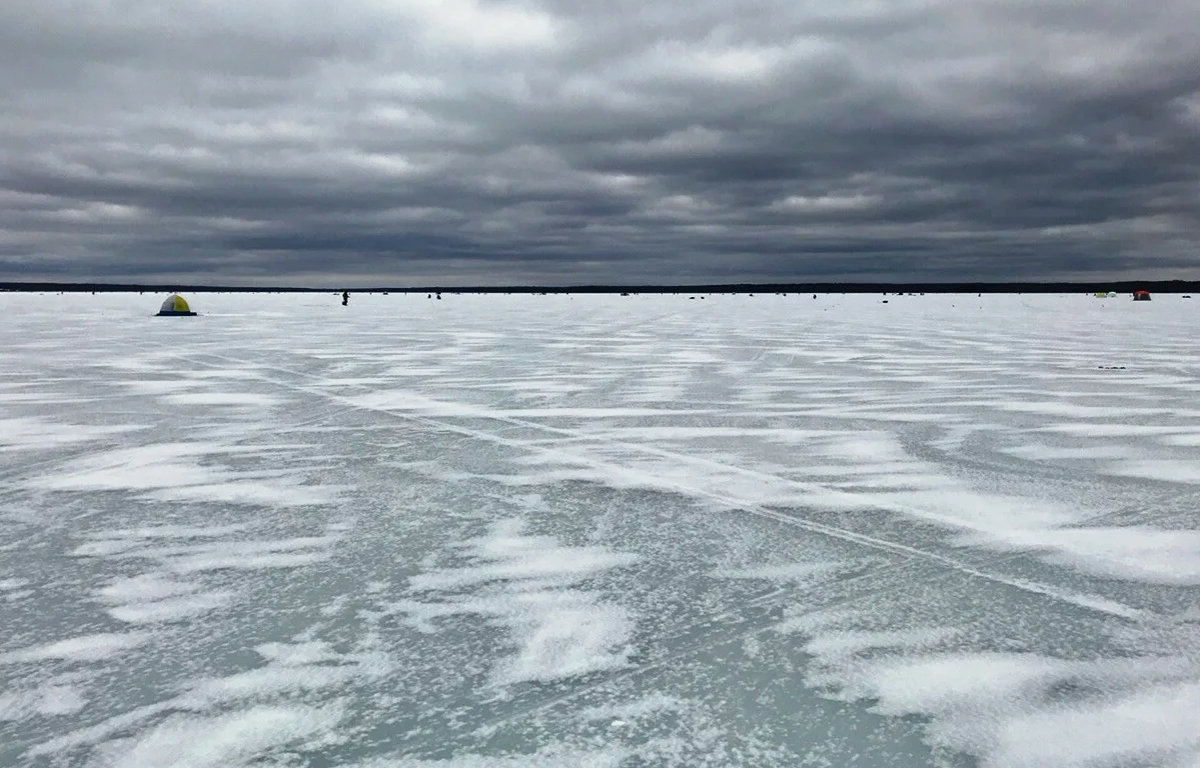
pixel 468 141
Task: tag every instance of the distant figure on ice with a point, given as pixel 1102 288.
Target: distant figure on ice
pixel 345 298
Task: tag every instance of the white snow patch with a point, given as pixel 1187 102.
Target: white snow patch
pixel 1170 470
pixel 1035 452
pixel 648 705
pixel 59 700
pixel 79 649
pixel 1157 723
pixel 236 738
pixel 1076 411
pixel 781 435
pixel 943 682
pixel 525 584
pixel 202 556
pixel 170 609
pixel 52 700
pixel 172 472
pixel 246 492
pixel 29 433
pixel 516 557
pixel 1116 430
pixel 988 513
pixel 145 467
pixel 1133 553
pixel 255 555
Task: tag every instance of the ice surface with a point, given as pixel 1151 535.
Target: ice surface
pixel 600 531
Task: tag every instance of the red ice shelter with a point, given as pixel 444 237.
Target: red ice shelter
pixel 1141 295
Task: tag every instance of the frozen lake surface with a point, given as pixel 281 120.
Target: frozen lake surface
pixel 491 532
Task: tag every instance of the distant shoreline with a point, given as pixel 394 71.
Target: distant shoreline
pixel 1119 286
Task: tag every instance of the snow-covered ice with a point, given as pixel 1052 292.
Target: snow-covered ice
pixel 599 531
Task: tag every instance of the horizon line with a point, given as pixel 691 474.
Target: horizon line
pixel 1044 286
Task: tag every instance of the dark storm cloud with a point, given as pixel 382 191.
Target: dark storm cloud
pixel 465 141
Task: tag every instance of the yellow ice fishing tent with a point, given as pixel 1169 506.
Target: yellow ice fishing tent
pixel 175 306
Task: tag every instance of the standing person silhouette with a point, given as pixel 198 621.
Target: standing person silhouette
pixel 345 298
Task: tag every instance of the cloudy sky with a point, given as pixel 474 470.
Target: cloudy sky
pixel 400 142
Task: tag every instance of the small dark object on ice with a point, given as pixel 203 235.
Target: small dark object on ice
pixel 1111 367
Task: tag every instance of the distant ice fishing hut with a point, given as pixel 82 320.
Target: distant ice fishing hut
pixel 175 306
pixel 1141 295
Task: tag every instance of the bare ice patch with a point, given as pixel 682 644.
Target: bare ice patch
pixel 549 757
pixel 248 399
pixel 413 402
pixel 156 387
pixel 787 572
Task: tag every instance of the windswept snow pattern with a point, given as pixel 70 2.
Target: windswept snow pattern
pixel 620 532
